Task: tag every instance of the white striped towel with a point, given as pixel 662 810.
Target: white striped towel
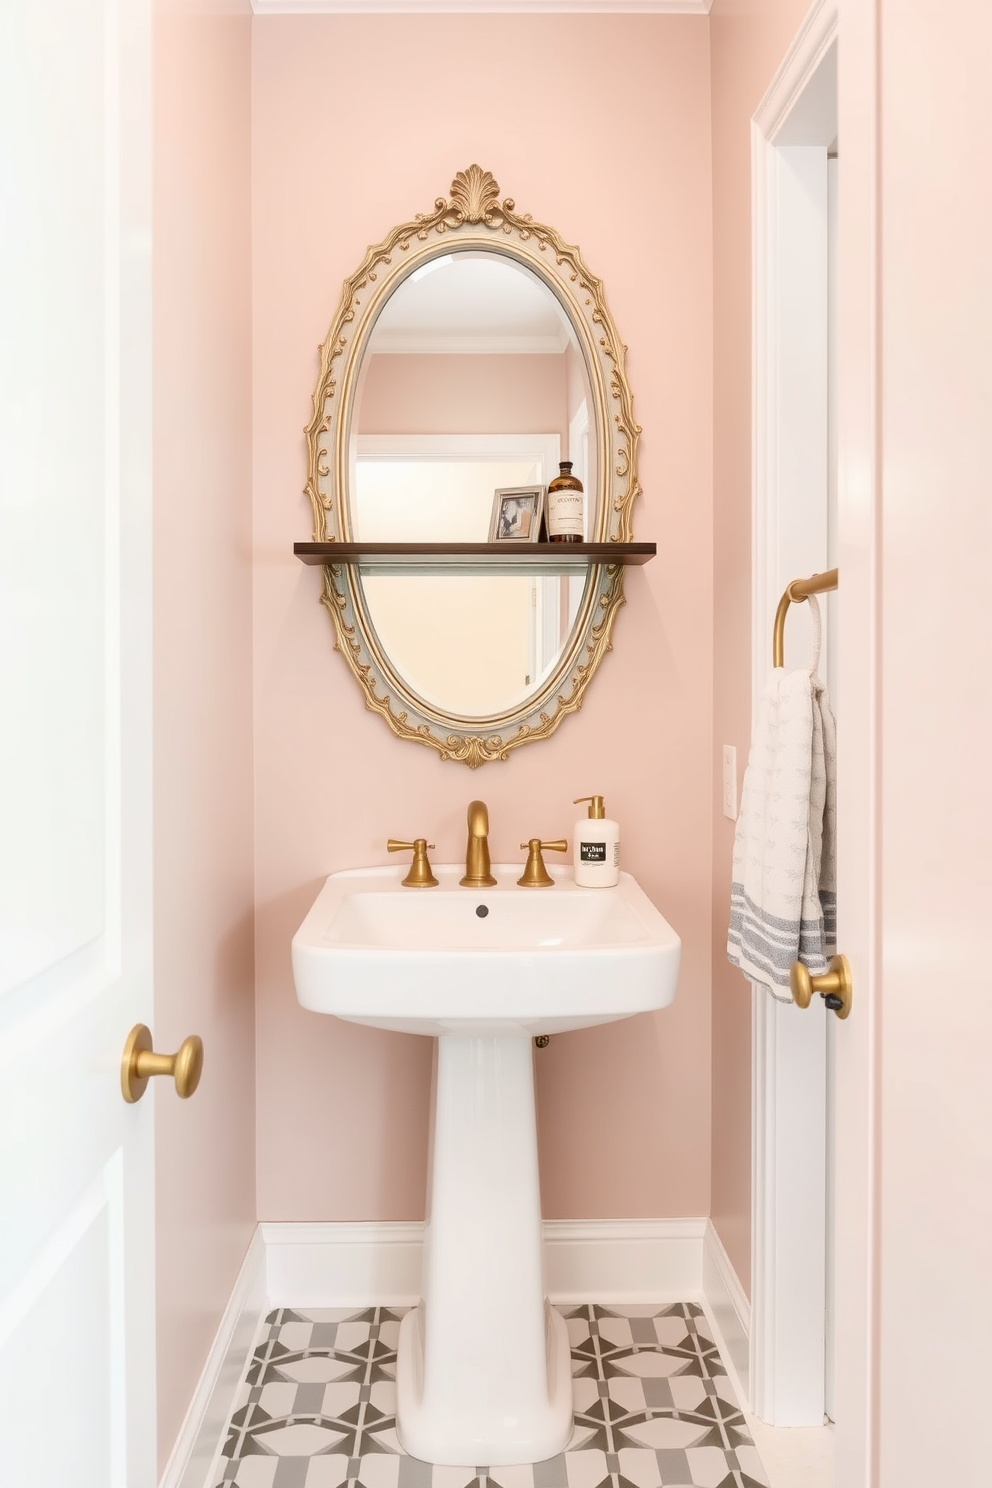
pixel 783 900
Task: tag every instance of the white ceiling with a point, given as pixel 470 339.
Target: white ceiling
pixel 471 303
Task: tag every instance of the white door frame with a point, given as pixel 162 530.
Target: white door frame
pixel 792 129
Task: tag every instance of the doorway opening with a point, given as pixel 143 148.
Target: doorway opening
pixel 794 136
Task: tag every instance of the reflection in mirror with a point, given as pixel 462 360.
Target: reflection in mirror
pixel 476 343
pixel 440 487
pixel 472 380
pixel 502 634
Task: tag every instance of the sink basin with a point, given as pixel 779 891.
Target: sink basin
pixel 483 1370
pixel 498 960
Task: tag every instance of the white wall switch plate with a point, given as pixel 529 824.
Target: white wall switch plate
pixel 730 781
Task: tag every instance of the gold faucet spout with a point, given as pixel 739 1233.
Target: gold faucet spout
pixel 477 874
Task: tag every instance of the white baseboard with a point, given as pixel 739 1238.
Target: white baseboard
pixel 623 1260
pixel 609 1260
pixel 201 1433
pixel 729 1308
pixel 343 1265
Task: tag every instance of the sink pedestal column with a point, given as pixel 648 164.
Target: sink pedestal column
pixel 483 1373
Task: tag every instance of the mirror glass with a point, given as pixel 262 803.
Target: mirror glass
pixel 472 381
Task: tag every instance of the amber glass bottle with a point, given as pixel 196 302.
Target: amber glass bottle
pixel 565 507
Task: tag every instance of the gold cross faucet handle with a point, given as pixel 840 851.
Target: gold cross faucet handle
pixel 536 876
pixel 420 875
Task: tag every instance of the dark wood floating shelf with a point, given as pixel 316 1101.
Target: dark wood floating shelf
pixel 485 555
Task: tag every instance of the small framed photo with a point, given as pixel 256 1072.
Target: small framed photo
pixel 517 512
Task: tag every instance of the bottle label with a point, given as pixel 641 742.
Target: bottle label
pixel 592 852
pixel 565 513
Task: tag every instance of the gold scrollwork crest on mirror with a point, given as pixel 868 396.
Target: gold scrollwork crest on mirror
pixel 475 229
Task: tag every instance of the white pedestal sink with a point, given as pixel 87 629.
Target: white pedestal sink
pixel 483 1369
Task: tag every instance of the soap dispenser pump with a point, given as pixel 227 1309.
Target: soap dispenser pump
pixel 596 861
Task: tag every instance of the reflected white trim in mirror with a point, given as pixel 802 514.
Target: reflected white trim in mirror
pixel 482 7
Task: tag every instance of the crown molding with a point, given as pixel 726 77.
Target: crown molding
pixel 812 41
pixel 481 7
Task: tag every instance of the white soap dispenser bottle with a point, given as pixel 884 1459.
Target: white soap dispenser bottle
pixel 597 847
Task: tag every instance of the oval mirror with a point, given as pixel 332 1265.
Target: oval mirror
pixel 471 354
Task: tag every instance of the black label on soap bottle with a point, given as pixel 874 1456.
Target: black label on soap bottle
pixel 592 852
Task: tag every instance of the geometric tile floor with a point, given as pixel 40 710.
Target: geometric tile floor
pixel 653 1408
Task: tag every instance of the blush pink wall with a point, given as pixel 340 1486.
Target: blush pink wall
pixel 611 144
pixel 465 395
pixel 748 39
pixel 205 1182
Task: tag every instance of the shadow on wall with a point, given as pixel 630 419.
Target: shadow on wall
pixel 368 1090
pixel 578 1111
pixel 234 964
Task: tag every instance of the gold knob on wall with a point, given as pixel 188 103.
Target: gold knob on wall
pixel 834 986
pixel 139 1063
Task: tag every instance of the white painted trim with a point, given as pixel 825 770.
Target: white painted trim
pixel 202 1433
pixel 623 1260
pixel 337 1265
pixel 728 1306
pixel 546 447
pixel 810 45
pixel 487 7
pixel 789 1269
pixel 791 130
pixel 341 1264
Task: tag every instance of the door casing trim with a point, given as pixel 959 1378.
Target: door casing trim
pixel 791 130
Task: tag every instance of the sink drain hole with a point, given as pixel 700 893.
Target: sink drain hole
pixel 482 911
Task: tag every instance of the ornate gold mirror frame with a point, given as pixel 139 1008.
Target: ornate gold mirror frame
pixel 474 219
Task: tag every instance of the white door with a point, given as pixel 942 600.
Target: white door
pixel 76 1261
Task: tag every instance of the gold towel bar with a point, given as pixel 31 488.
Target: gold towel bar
pixel 797 591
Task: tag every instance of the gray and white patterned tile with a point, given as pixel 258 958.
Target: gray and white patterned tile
pixel 653 1408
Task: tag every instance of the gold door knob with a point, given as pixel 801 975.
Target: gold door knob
pixel 139 1063
pixel 536 876
pixel 834 986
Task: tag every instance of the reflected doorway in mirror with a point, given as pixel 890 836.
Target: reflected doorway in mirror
pixel 517 513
